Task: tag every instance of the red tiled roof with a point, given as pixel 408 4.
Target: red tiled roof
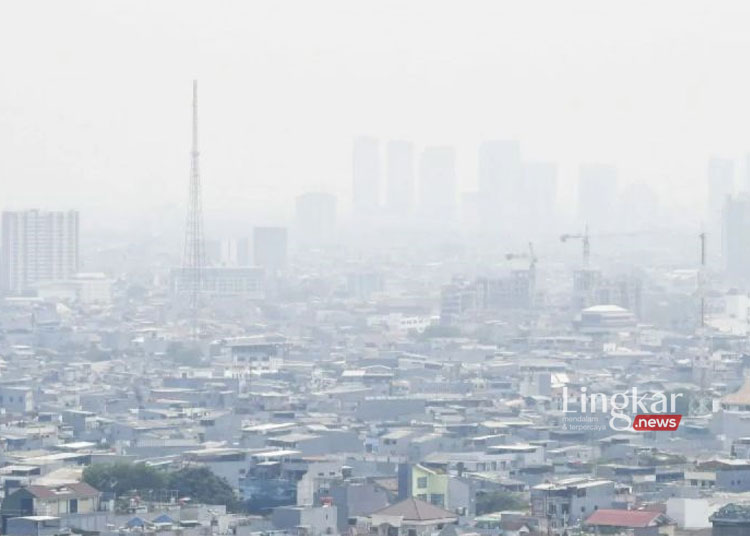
pixel 623 518
pixel 412 509
pixel 77 489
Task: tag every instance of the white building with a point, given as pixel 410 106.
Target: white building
pixel 223 281
pixel 603 319
pixel 37 246
pixel 88 288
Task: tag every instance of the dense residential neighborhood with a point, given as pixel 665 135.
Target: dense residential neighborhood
pixel 393 268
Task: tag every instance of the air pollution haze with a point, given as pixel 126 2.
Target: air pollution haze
pixel 394 268
pixel 93 94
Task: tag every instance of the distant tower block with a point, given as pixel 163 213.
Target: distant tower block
pixel 194 255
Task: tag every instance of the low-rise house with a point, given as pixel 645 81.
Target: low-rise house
pixel 637 522
pixel 731 520
pixel 566 502
pixel 306 520
pixel 36 525
pixel 35 500
pixel 410 517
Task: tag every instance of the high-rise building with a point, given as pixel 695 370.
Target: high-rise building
pixel 540 195
pixel 37 246
pixel 720 186
pixel 638 207
pixel 437 183
pixel 224 252
pixel 500 178
pixel 400 176
pixel 315 218
pixel 736 236
pixel 244 251
pixel 366 177
pixel 597 195
pixel 270 248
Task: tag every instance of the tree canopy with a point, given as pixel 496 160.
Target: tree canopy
pixel 198 483
pixel 120 478
pixel 203 486
pixel 496 501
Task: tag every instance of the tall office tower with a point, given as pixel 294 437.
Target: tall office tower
pixel 315 218
pixel 638 207
pixel 224 252
pixel 400 176
pixel 269 248
pixel 437 184
pixel 500 179
pixel 366 177
pixel 597 195
pixel 38 246
pixel 212 252
pixel 244 251
pixel 736 236
pixel 540 195
pixel 720 186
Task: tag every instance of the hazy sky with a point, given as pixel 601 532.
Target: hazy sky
pixel 95 96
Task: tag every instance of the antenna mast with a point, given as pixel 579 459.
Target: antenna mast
pixel 193 259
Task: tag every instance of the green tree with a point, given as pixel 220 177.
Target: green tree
pixel 439 332
pixel 496 501
pixel 182 354
pixel 123 477
pixel 198 483
pixel 203 486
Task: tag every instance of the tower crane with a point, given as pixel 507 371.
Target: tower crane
pixel 530 255
pixel 584 237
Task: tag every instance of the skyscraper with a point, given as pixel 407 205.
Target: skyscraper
pixel 736 236
pixel 400 176
pixel 499 177
pixel 720 185
pixel 244 251
pixel 437 183
pixel 365 177
pixel 37 246
pixel 270 248
pixel 540 195
pixel 315 218
pixel 597 194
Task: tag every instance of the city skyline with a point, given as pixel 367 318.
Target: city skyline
pixel 446 268
pixel 124 133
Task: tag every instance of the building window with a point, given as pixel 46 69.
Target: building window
pixel 73 506
pixel 422 482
